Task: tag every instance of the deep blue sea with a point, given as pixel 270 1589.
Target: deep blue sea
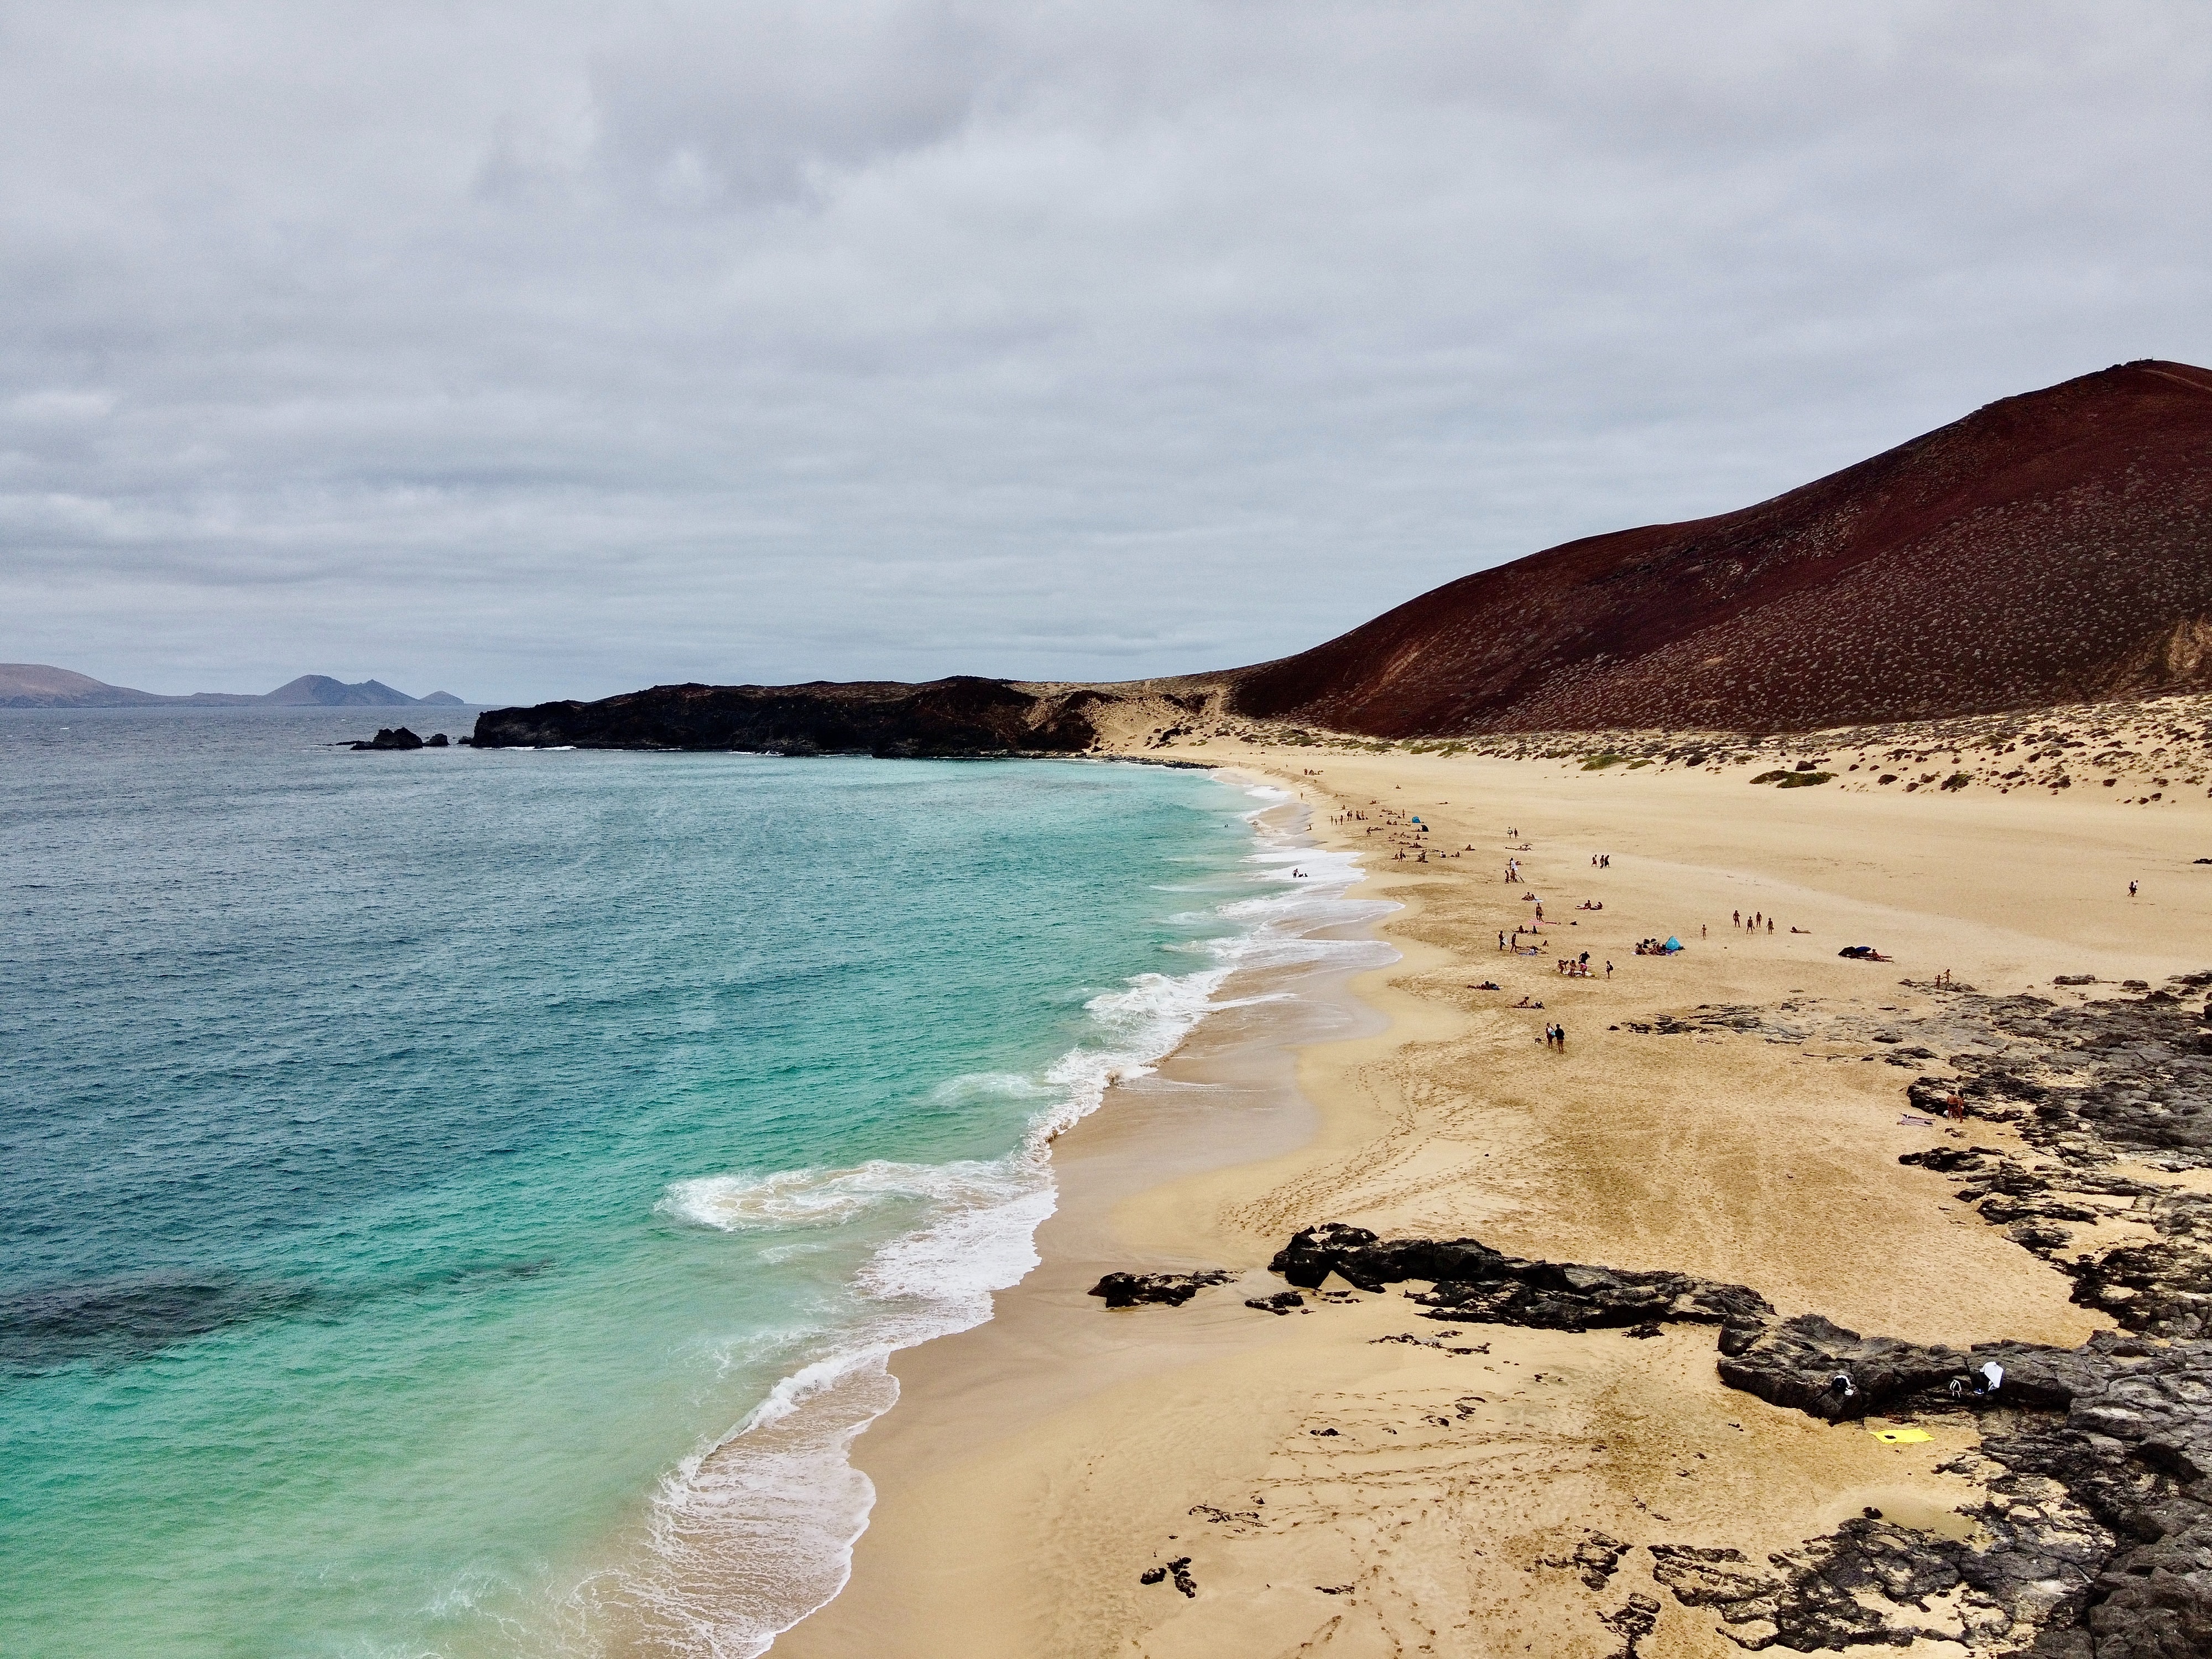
pixel 459 1204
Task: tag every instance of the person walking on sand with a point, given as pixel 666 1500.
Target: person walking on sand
pixel 2131 890
pixel 1608 970
pixel 1735 918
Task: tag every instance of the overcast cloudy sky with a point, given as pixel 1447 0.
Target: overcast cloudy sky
pixel 550 348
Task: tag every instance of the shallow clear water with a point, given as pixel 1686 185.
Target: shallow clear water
pixel 410 1163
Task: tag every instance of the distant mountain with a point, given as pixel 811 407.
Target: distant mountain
pixel 327 693
pixel 37 685
pixel 40 685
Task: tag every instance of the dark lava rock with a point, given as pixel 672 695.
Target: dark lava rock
pixel 2094 1540
pixel 1595 1559
pixel 960 716
pixel 2162 1287
pixel 1632 1622
pixel 1282 1302
pixel 1796 1362
pixel 390 737
pixel 1179 1568
pixel 1839 1591
pixel 436 740
pixel 2135 1080
pixel 1173 1289
pixel 2099 1530
pixel 1471 1283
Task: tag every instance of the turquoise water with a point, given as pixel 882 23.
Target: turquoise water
pixel 412 1166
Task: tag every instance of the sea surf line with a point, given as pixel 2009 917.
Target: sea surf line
pixel 415 1164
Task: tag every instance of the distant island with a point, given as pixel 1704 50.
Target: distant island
pixel 40 685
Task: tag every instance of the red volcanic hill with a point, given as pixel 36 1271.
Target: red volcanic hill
pixel 2050 548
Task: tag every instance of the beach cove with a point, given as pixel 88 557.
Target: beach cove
pixel 1053 1481
pixel 418 1165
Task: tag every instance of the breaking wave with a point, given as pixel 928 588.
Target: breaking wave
pixel 752 1533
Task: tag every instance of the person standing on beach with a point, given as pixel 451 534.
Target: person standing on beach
pixel 1735 918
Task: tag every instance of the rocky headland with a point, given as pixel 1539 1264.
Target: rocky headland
pixel 2051 549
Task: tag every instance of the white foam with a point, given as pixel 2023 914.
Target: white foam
pixel 755 1532
pixel 804 1198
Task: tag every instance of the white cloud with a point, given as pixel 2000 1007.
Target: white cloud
pixel 548 350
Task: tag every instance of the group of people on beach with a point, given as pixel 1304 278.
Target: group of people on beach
pixel 1555 1035
pixel 1752 926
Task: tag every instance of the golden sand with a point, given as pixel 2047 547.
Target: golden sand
pixel 1339 1494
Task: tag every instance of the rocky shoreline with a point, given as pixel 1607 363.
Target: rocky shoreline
pixel 956 718
pixel 2093 1540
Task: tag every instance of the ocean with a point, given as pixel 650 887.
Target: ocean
pixel 459 1203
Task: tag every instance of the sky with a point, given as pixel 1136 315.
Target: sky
pixel 551 349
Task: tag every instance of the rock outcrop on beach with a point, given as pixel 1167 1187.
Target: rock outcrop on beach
pixel 1169 1289
pixel 2049 549
pixel 2093 1538
pixel 1472 1283
pixel 2094 1541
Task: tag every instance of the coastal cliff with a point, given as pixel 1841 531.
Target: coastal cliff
pixel 960 716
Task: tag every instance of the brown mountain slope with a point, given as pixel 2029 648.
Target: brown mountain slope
pixel 2050 548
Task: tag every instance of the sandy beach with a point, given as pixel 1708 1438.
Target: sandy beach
pixel 1308 1483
